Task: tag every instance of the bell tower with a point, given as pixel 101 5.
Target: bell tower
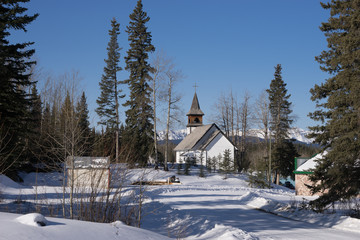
pixel 195 115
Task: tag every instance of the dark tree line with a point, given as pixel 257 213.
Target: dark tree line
pixel 136 135
pixel 51 127
pixel 16 103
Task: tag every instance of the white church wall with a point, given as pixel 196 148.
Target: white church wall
pixel 218 146
pixel 182 155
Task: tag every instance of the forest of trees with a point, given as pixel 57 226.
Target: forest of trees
pixel 59 117
pixel 42 127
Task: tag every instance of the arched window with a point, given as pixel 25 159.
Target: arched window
pixel 196 120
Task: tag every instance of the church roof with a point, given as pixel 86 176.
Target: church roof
pixel 195 107
pixel 191 139
pixel 199 138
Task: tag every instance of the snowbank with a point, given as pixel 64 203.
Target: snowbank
pixel 15 226
pixel 225 233
pixel 33 219
pixel 335 221
pixel 6 182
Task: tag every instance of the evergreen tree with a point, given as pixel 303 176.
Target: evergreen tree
pixel 108 102
pixel 280 124
pixel 279 106
pixel 45 135
pixel 67 126
pixel 338 105
pixel 14 64
pixel 214 163
pixel 32 150
pixel 227 164
pixel 285 153
pixel 139 128
pixel 82 115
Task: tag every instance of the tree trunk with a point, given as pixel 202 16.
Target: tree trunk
pixel 167 127
pixel 154 109
pixel 117 123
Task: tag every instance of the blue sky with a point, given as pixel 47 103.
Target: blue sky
pixel 221 45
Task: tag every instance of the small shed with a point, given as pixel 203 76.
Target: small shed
pixel 91 172
pixel 304 168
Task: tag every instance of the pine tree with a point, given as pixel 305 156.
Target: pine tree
pixel 108 102
pixel 338 105
pixel 82 115
pixel 14 63
pixel 280 124
pixel 285 154
pixel 67 125
pixel 32 150
pixel 139 128
pixel 279 106
pixel 227 164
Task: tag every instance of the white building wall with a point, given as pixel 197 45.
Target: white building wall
pixel 218 146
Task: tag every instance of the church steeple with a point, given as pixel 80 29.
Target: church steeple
pixel 195 115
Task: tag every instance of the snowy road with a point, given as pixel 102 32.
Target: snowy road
pixel 211 208
pixel 222 213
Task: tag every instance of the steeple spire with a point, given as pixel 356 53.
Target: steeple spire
pixel 195 107
pixel 194 115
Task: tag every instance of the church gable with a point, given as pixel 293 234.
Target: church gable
pixel 207 138
pixel 219 144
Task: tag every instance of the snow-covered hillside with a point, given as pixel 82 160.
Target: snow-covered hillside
pixel 295 133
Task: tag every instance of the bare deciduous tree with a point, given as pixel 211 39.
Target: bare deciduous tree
pixel 159 64
pixel 243 115
pixel 165 78
pixel 172 98
pixel 262 116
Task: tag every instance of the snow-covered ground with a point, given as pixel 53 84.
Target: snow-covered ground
pixel 198 208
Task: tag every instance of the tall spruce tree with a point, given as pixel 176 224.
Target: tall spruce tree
pixel 82 115
pixel 280 123
pixel 139 128
pixel 338 105
pixel 14 64
pixel 108 102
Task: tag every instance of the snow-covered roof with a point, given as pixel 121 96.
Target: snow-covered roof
pixel 311 164
pixel 200 138
pixel 88 162
pixel 190 140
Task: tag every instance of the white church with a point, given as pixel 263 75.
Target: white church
pixel 202 141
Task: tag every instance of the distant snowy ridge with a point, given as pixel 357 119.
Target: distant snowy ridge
pixel 173 134
pixel 294 133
